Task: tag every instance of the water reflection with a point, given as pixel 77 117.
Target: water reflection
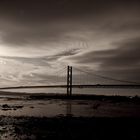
pixel 56 107
pixel 68 108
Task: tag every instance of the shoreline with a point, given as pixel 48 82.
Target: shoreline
pixel 114 117
pixel 73 97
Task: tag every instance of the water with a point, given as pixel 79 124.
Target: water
pixel 53 107
pixel 121 92
pixel 10 106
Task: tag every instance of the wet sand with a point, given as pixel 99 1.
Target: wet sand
pixel 76 106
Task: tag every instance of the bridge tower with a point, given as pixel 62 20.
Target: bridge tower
pixel 69 80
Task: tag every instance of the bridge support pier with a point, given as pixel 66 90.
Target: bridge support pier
pixel 69 81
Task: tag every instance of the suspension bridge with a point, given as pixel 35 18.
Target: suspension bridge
pixel 71 77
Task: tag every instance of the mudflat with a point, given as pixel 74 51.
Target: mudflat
pixel 58 117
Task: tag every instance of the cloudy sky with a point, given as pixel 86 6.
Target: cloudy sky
pixel 40 37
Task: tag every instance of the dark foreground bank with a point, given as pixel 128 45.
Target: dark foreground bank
pixel 69 128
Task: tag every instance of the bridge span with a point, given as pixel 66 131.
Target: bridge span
pixel 70 84
pixel 75 86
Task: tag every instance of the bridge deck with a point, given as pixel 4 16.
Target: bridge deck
pixel 75 86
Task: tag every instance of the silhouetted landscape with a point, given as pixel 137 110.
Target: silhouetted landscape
pixel 48 116
pixel 69 69
pixel 69 128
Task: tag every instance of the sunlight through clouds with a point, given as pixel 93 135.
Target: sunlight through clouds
pixel 49 35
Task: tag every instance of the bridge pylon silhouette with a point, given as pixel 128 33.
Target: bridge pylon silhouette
pixel 76 79
pixel 69 80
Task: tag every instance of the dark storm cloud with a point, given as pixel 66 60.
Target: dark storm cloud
pixel 123 61
pixel 123 55
pixel 42 33
pixel 25 22
pixel 49 9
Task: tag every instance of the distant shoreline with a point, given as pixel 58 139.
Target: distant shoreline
pixel 36 96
